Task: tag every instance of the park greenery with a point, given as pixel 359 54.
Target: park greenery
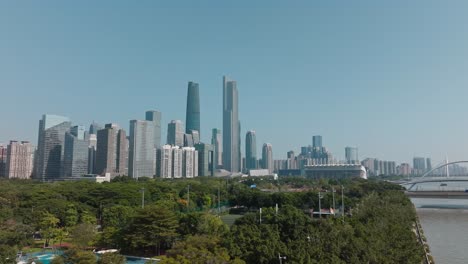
pixel 181 221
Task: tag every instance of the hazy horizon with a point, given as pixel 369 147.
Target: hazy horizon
pixel 387 77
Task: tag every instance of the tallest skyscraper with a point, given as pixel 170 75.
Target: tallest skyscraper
pixel 231 126
pixel 192 118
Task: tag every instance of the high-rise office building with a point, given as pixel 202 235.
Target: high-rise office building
pixel 192 117
pixel 419 165
pixel 164 163
pixel 92 145
pixel 195 136
pixel 94 128
pixel 50 147
pixel 217 142
pixel 291 160
pixel 141 152
pixel 428 164
pixel 250 150
pixel 111 151
pixel 76 154
pixel 188 140
pixel 231 126
pixel 155 117
pixel 3 158
pixel 351 154
pixel 317 142
pixel 206 160
pixel 19 160
pixel 267 157
pixel 175 133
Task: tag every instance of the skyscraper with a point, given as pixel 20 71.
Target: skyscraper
pixel 141 154
pixel 428 164
pixel 205 159
pixel 419 165
pixel 267 157
pixel 111 151
pixel 192 118
pixel 189 162
pixel 351 154
pixel 250 150
pixel 317 142
pixel 3 158
pixel 175 133
pixel 165 161
pixel 94 128
pixel 177 156
pixel 231 126
pixel 19 161
pixel 217 142
pixel 50 147
pixel 155 117
pixel 75 161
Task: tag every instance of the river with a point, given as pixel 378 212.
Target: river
pixel 445 225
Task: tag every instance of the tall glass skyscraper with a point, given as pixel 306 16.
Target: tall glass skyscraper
pixel 217 142
pixel 192 117
pixel 141 154
pixel 175 133
pixel 76 153
pixel 155 117
pixel 351 154
pixel 111 151
pixel 250 150
pixel 317 141
pixel 231 126
pixel 51 146
pixel 267 157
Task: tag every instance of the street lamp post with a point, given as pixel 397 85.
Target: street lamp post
pixel 333 192
pixel 142 190
pixel 320 204
pixel 188 197
pixel 342 203
pixel 281 258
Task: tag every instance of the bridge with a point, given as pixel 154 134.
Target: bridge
pixel 439 187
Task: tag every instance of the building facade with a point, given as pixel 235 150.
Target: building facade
pixel 351 154
pixel 192 117
pixel 231 127
pixel 250 151
pixel 267 157
pixel 217 142
pixel 141 151
pixel 19 160
pixel 51 146
pixel 164 164
pixel 3 157
pixel 76 155
pixel 175 133
pixel 155 117
pixel 111 151
pixel 206 163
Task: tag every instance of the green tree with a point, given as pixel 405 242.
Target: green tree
pixel 48 224
pixel 151 228
pixel 83 234
pixel 198 250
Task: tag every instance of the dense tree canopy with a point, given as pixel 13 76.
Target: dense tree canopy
pixel 377 227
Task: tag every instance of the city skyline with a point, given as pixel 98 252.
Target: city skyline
pixel 120 79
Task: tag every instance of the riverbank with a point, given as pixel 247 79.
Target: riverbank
pixel 423 241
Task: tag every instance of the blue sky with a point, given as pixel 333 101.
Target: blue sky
pixel 389 77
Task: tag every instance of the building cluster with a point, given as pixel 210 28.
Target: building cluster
pixel 68 151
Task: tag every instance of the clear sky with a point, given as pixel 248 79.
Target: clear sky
pixel 390 77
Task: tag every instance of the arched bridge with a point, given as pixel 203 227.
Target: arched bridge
pixel 449 187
